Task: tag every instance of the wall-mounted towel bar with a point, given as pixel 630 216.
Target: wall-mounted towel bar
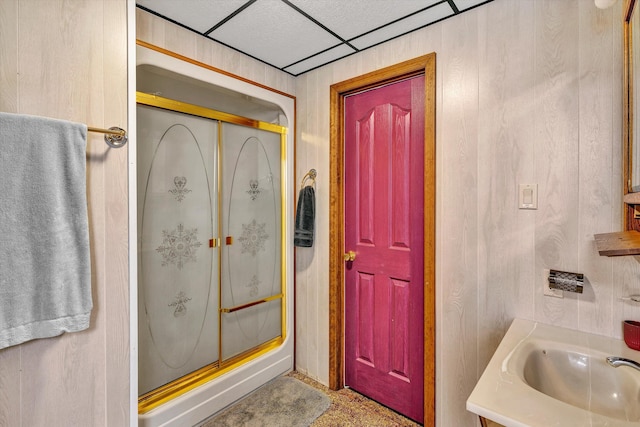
pixel 114 136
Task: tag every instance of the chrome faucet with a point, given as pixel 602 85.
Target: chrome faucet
pixel 621 361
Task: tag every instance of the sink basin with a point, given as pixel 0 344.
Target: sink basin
pixel 543 376
pixel 579 379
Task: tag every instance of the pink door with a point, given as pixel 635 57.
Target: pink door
pixel 384 169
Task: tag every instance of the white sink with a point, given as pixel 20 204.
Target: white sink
pixel 542 375
pixel 584 380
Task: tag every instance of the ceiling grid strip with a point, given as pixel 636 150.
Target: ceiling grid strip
pixel 320 21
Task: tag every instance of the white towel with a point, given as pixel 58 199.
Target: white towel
pixel 45 267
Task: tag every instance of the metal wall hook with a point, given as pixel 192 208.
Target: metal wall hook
pixel 312 174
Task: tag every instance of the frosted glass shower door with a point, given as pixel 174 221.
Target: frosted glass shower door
pixel 251 288
pixel 178 270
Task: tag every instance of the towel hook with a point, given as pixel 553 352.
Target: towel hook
pixel 312 174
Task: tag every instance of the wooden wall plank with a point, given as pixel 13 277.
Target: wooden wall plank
pixel 318 158
pixel 303 255
pixel 556 117
pixel 459 139
pixel 596 99
pixel 312 284
pixel 10 388
pixel 61 76
pixel 506 141
pixel 9 56
pixel 116 210
pixel 178 39
pixel 150 28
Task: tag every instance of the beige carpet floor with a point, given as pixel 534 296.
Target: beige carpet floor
pixel 351 409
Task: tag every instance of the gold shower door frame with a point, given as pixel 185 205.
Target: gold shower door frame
pixel 175 388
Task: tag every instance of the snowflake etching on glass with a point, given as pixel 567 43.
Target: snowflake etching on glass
pixel 254 191
pixel 180 191
pixel 179 246
pixel 253 237
pixel 179 304
pixel 253 286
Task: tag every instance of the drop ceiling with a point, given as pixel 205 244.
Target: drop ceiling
pixel 297 36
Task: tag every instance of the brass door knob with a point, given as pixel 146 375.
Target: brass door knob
pixel 350 256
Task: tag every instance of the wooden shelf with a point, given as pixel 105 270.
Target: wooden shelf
pixel 631 198
pixel 618 244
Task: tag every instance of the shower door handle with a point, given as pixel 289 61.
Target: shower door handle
pixel 350 256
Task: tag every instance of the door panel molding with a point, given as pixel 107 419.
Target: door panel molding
pixel 422 65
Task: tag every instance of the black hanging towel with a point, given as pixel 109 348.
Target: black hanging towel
pixel 305 217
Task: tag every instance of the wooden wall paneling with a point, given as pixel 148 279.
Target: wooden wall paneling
pixel 181 40
pixel 306 264
pixel 616 114
pixel 310 262
pixel 321 154
pixel 346 68
pixel 10 390
pixel 627 281
pixel 526 282
pixel 116 206
pixel 9 56
pixel 278 79
pixel 150 28
pixel 314 286
pixel 308 302
pixel 459 137
pixel 205 50
pixel 505 159
pixel 50 47
pixel 402 50
pixel 595 154
pixel 303 268
pixel 556 118
pixel 59 372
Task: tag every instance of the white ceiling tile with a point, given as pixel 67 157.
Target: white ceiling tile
pixel 349 19
pixel 278 34
pixel 466 4
pixel 406 25
pixel 275 33
pixel 199 15
pixel 321 59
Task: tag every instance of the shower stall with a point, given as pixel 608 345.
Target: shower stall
pixel 214 212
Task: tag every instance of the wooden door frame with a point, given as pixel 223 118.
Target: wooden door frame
pixel 424 65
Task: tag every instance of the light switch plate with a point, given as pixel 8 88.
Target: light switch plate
pixel 528 196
